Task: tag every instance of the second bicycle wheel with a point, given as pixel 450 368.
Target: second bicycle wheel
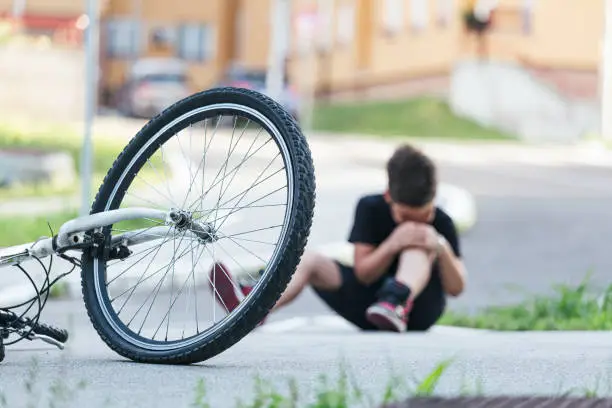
pixel 239 172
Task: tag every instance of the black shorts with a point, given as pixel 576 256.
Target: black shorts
pixel 353 298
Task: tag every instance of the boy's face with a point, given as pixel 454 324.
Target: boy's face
pixel 403 213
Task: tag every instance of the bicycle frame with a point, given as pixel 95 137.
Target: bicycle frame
pixel 70 235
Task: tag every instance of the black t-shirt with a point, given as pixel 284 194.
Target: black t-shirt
pixel 373 223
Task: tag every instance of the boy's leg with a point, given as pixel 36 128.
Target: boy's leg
pixel 390 312
pixel 314 269
pixel 414 270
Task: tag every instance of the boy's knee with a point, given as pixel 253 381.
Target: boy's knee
pixel 319 270
pixel 312 261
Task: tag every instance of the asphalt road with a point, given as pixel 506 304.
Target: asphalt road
pixel 538 226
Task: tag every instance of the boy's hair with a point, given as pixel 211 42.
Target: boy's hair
pixel 412 177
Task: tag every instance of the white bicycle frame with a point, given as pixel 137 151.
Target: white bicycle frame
pixel 70 233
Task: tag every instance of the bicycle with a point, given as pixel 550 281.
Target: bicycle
pixel 200 222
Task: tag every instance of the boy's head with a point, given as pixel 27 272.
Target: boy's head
pixel 412 185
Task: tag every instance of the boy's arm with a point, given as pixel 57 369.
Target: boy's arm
pixel 452 269
pixel 371 258
pixel 371 262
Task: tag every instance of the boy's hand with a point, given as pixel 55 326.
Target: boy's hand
pixel 411 234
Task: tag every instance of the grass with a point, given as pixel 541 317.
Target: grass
pixel 423 117
pixel 56 139
pixel 576 307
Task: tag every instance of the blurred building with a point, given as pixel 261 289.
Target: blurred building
pixel 209 36
pixel 339 48
pixel 375 47
pixel 400 47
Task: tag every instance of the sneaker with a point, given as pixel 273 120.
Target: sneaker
pixel 388 313
pixel 225 286
pixel 388 316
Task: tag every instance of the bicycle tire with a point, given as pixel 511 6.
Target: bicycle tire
pixel 292 247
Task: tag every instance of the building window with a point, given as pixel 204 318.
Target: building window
pixel 122 38
pixel 195 42
pixel 419 14
pixel 393 15
pixel 345 25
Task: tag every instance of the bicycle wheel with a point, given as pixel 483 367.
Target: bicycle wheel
pixel 168 165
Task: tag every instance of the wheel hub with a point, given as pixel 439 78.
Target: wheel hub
pixel 183 221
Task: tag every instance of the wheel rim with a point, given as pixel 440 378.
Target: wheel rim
pixel 100 268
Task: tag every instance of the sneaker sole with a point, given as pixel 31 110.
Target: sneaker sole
pixel 379 317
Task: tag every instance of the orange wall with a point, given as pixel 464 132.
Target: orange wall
pixel 564 34
pixel 253 37
pixel 567 34
pixel 376 56
pixel 414 51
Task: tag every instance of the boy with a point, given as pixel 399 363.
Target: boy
pixel 407 256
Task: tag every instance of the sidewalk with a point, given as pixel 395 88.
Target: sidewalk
pixel 374 150
pixel 340 147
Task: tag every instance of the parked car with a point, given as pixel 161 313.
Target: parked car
pixel 255 79
pixel 152 85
